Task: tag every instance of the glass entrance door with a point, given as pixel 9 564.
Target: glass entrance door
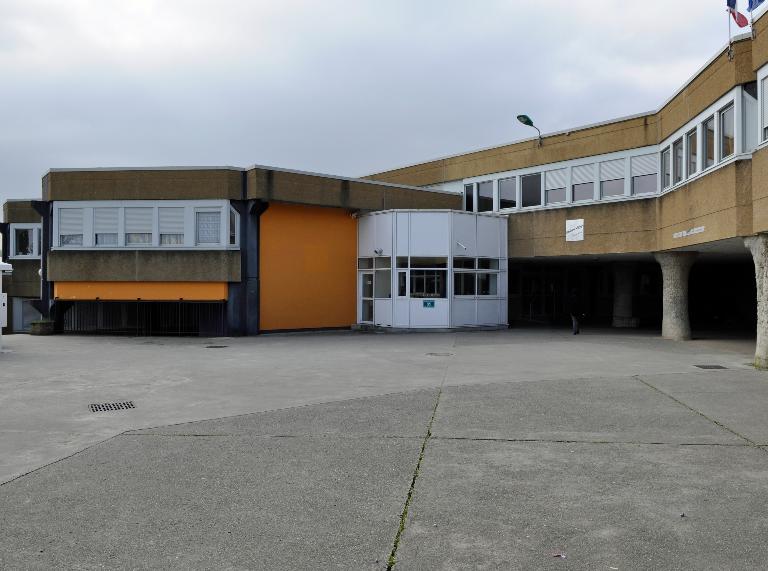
pixel 366 297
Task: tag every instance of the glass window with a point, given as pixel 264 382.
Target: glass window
pixel 584 191
pixel 383 284
pixel 666 169
pixel 367 315
pixel 555 195
pixel 644 184
pixel 70 226
pixel 469 197
pixel 24 242
pixel 138 226
pixel 727 133
pixel 367 284
pixel 612 187
pixel 365 263
pixel 709 142
pixel 677 165
pixel 464 283
pixel 487 284
pixel 105 226
pixel 488 264
pixel 429 262
pixel 207 227
pixel 402 261
pixel 464 263
pixel 692 139
pixel 508 193
pixel 382 263
pixel 402 283
pixel 171 221
pixel 485 196
pixel 232 227
pixel 530 186
pixel 428 283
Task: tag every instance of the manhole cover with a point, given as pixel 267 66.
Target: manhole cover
pixel 110 406
pixel 710 367
pixel 439 354
pixel 216 346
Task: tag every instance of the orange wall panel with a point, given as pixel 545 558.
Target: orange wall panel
pixel 308 267
pixel 145 291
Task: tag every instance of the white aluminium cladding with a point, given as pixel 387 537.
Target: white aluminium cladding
pixel 145 224
pixel 635 174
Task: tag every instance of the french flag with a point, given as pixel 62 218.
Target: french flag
pixel 738 17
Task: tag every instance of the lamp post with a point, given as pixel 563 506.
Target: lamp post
pixel 528 122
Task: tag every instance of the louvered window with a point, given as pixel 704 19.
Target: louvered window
pixel 555 186
pixel 70 226
pixel 207 227
pixel 645 174
pixel 612 178
pixel 171 221
pixel 583 179
pixel 138 226
pixel 105 226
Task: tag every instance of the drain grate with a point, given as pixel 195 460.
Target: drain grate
pixel 439 354
pixel 710 367
pixel 216 346
pixel 110 406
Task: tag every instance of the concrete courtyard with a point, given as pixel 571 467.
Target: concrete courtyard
pixel 519 449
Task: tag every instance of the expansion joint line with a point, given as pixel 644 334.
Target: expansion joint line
pixel 717 423
pixel 392 560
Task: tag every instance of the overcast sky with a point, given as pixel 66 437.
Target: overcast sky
pixel 344 87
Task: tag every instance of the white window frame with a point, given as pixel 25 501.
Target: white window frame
pixel 37 230
pixel 222 207
pixel 762 74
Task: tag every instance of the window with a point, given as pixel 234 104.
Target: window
pixel 25 241
pixel 508 193
pixel 485 196
pixel 677 161
pixel 666 168
pixel 487 264
pixel 530 186
pixel 487 284
pixel 429 263
pixel 469 197
pixel 709 142
pixel 555 186
pixel 207 227
pixel 428 283
pixel 464 283
pixel 382 284
pixel 138 226
pixel 583 177
pixel 402 261
pixel 764 95
pixel 612 178
pixel 402 281
pixel 365 263
pixel 692 152
pixel 727 134
pixel 105 226
pixel 645 176
pixel 70 227
pixel 463 263
pixel 233 226
pixel 382 263
pixel 171 224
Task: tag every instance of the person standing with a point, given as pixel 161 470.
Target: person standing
pixel 575 309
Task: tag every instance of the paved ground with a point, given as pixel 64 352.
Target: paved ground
pixel 494 450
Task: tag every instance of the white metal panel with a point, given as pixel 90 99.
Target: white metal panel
pixel 430 233
pixel 382 312
pixel 488 237
pixel 464 312
pixel 489 312
pixel 556 179
pixel 464 235
pixel 402 227
pixel 366 230
pixel 612 170
pixel 138 220
pixel 504 234
pixel 105 220
pixel 427 317
pixel 383 234
pixel 70 221
pixel 3 310
pixel 645 164
pixel 402 312
pixel 171 220
pixel 583 174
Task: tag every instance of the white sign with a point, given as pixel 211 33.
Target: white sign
pixel 691 232
pixel 574 230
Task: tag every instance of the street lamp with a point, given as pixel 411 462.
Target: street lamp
pixel 528 122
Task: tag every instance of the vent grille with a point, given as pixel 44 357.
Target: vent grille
pixel 111 406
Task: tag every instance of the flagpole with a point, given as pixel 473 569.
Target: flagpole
pixel 730 43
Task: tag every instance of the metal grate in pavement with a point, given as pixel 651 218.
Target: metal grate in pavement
pixel 710 367
pixel 111 406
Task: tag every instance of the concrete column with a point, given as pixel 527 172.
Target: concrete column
pixel 758 245
pixel 623 295
pixel 675 269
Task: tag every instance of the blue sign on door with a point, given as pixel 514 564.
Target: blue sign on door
pixel 428 304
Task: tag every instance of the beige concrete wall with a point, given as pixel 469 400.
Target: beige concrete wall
pixel 143 185
pixel 299 188
pixel 760 43
pixel 143 266
pixel 25 279
pixel 20 211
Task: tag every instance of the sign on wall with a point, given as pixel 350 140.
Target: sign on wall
pixel 691 232
pixel 574 230
pixel 428 304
